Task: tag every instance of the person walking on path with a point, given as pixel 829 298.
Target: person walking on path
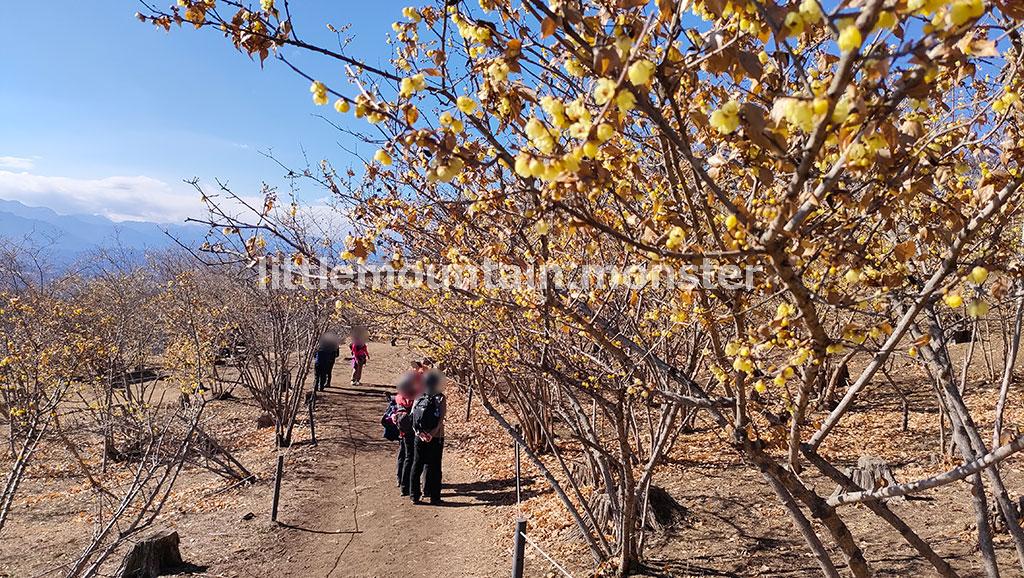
pixel 323 361
pixel 360 355
pixel 404 400
pixel 428 413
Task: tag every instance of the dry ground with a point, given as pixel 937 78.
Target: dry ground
pixel 341 514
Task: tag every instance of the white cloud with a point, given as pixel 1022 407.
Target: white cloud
pixel 120 198
pixel 17 163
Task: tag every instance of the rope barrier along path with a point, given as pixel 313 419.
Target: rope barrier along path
pixel 540 551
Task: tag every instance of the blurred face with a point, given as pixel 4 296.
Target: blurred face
pixel 433 383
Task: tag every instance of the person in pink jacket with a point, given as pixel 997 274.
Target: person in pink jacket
pixel 404 399
pixel 360 355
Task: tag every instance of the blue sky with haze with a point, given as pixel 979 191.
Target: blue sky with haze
pixel 100 113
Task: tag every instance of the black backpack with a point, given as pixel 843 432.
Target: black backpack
pixel 405 421
pixel 388 421
pixel 426 413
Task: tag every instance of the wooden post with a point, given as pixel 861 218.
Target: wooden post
pixel 519 485
pixel 311 402
pixel 277 485
pixel 469 400
pixel 519 549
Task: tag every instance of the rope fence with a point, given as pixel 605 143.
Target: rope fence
pixel 520 539
pixel 551 560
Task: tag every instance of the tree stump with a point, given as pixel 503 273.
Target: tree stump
pixel 152 556
pixel 871 473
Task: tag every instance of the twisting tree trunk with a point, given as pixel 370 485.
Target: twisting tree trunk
pixel 803 525
pixel 1010 359
pixel 965 433
pixel 818 507
pixel 882 511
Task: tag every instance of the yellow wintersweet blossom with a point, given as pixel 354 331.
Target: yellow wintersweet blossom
pixel 727 118
pixel 925 7
pixel 266 5
pixel 341 105
pixel 382 157
pixel 953 300
pixel 411 85
pixel 1004 102
pixel 850 38
pixel 978 275
pixel 794 24
pixel 498 71
pixel 319 91
pixel 963 11
pixel 810 11
pixel 466 104
pixel 640 72
pixel 797 112
pixel 885 20
pixel 539 135
pixel 625 101
pixel 842 110
pixel 574 68
pixel 676 236
pixel 411 13
pixel 604 90
pixel 978 308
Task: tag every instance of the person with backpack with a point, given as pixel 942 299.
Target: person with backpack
pixel 428 415
pixel 323 361
pixel 360 355
pixel 402 416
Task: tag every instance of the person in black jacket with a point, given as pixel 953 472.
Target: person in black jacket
pixel 323 361
pixel 429 443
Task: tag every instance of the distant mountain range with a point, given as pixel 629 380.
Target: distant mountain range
pixel 68 237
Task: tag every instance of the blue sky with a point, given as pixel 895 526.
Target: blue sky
pixel 100 113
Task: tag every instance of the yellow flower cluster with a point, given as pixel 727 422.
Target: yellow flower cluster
pixel 574 68
pixel 319 91
pixel 465 104
pixel 411 13
pixel 1004 102
pixel 527 165
pixel 411 85
pixel 727 118
pixel 446 171
pixel 676 237
pixel 365 107
pixel 540 136
pixel 498 71
pixel 808 14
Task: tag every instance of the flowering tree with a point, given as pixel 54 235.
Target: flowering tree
pixel 41 344
pixel 859 158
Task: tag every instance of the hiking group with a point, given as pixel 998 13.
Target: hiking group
pixel 414 417
pixel 327 353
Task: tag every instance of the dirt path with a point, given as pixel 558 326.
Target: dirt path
pixel 342 514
